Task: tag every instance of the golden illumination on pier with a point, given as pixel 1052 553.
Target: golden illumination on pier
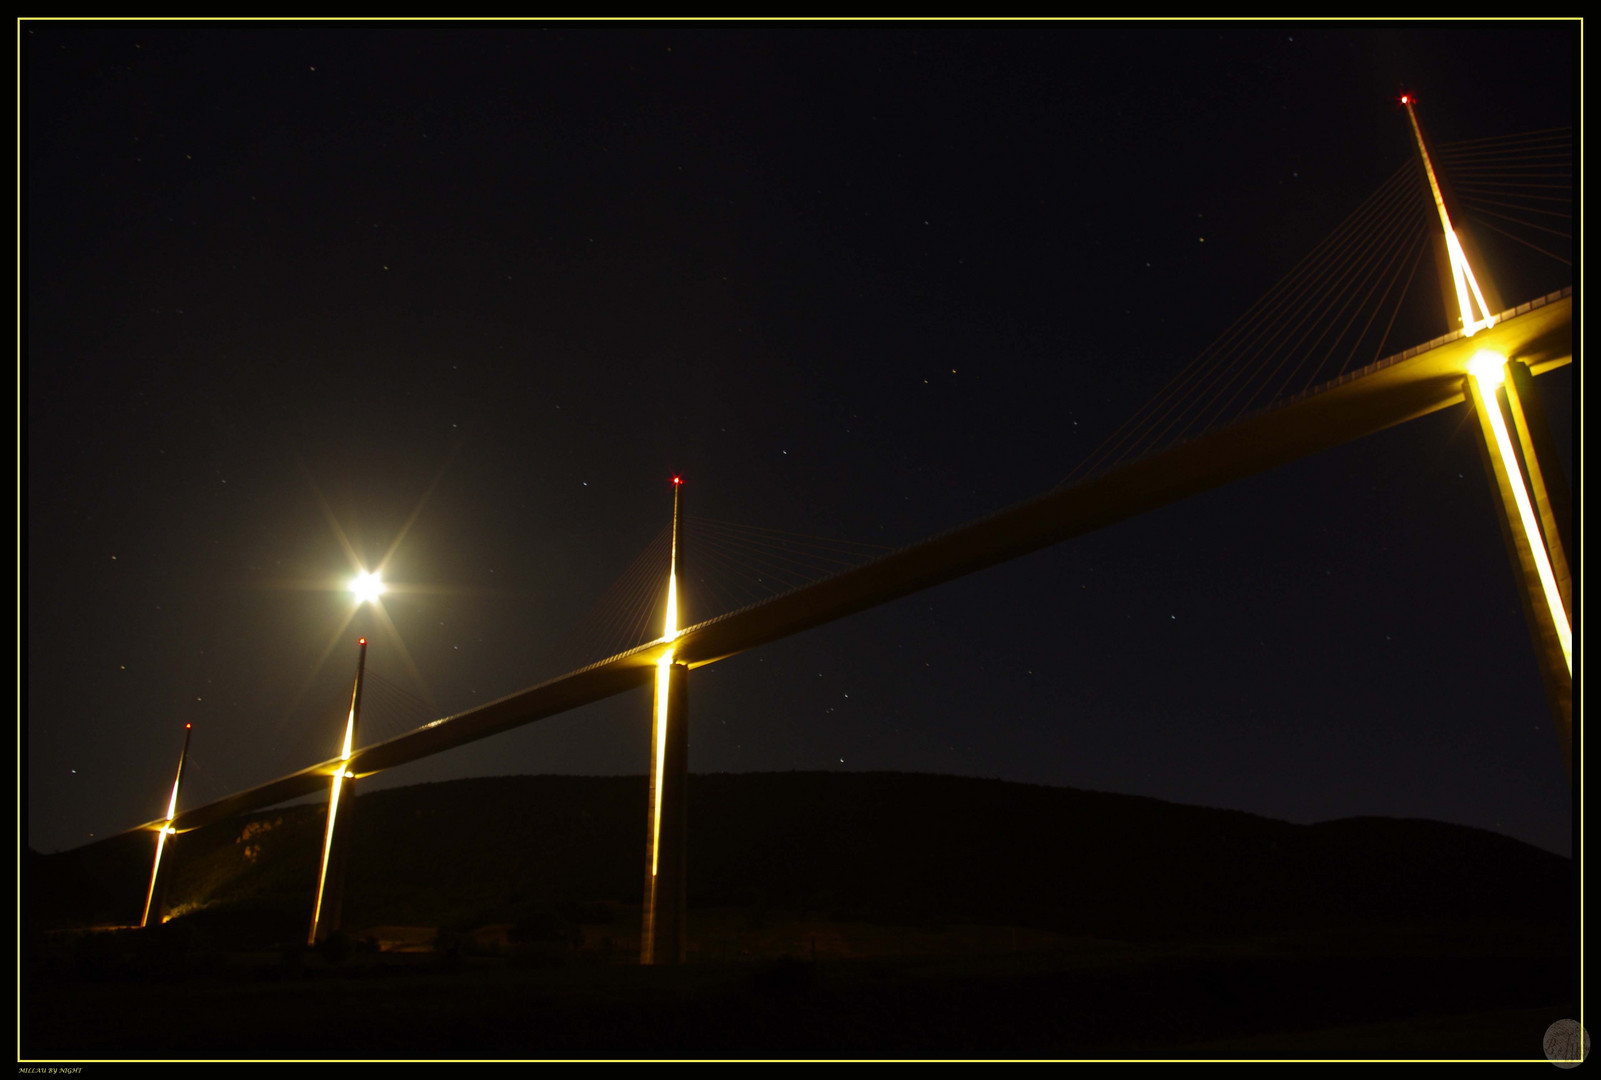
pixel 664 675
pixel 340 776
pixel 327 846
pixel 161 843
pixel 166 829
pixel 1489 372
pixel 659 741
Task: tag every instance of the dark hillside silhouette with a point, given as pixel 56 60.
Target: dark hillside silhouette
pixel 885 847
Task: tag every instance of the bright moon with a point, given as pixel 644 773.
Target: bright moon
pixel 366 588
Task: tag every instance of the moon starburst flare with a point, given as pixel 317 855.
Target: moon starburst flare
pixel 367 587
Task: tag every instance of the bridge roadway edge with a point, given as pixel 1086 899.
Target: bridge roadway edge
pixel 1390 392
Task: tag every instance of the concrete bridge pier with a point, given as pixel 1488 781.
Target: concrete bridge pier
pixel 1533 508
pixel 1548 482
pixel 325 913
pixel 161 871
pixel 664 936
pixel 160 877
pixel 327 919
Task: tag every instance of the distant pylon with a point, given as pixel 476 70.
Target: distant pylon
pixel 663 939
pixel 156 897
pixel 325 914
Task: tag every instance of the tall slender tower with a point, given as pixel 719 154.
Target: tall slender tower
pixel 1473 318
pixel 326 912
pixel 663 939
pixel 1529 484
pixel 1531 494
pixel 156 897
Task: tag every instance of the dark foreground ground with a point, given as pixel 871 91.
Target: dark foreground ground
pixel 881 915
pixel 958 992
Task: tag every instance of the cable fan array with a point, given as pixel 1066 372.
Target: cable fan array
pixel 723 566
pixel 1519 187
pixel 729 566
pixel 1335 310
pixel 388 710
pixel 204 781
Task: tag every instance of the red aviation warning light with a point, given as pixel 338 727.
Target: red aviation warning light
pixel 188 727
pixel 677 480
pixel 1406 99
pixel 361 641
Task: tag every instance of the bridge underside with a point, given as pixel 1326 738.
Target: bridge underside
pixel 1400 388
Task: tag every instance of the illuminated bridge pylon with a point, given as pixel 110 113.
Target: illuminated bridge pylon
pixel 156 896
pixel 325 913
pixel 663 937
pixel 1473 311
pixel 1531 492
pixel 1533 507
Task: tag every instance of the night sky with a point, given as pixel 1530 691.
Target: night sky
pixel 863 281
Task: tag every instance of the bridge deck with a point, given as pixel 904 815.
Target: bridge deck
pixel 1400 388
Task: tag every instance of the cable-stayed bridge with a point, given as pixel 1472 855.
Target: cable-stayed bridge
pixel 1284 381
